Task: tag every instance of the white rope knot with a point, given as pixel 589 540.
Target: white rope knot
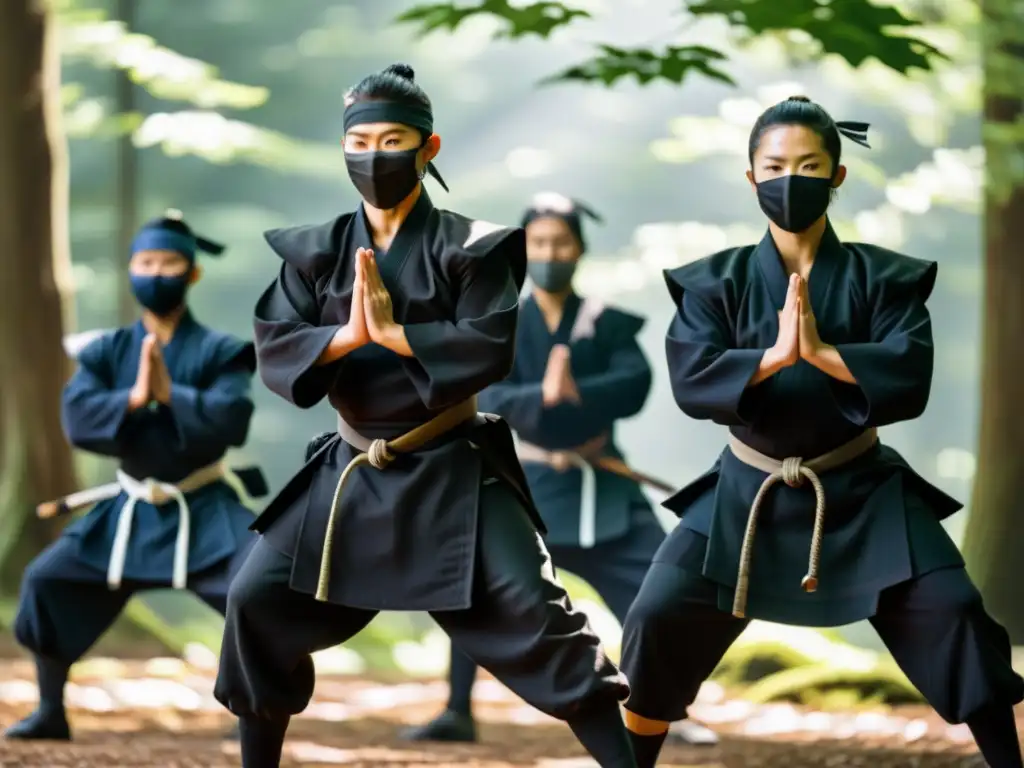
pixel 792 472
pixel 379 454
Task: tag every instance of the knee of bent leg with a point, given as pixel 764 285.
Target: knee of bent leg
pixel 243 594
pixel 654 610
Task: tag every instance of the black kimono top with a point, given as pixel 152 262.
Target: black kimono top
pixel 454 285
pixel 209 412
pixel 882 519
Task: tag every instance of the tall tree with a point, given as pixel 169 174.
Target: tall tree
pixel 35 461
pixel 994 538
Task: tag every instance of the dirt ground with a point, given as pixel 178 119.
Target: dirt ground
pixel 161 714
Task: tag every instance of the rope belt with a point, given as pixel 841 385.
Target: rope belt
pixel 588 491
pixel 379 454
pixel 793 472
pixel 153 492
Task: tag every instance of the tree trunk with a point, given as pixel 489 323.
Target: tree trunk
pixel 35 460
pixel 994 538
pixel 127 180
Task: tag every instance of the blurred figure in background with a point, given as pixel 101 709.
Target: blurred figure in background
pixel 578 369
pixel 166 397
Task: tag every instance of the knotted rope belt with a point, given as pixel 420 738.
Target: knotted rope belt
pixel 793 472
pixel 154 492
pixel 379 454
pixel 586 458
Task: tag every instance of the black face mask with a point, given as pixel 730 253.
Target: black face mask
pixel 551 276
pixel 794 202
pixel 384 179
pixel 160 294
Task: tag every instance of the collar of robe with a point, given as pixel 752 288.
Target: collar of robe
pixel 829 256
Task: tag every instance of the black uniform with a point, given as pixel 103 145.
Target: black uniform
pixel 884 556
pixel 449 529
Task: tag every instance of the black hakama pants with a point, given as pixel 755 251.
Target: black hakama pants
pixel 66 604
pixel 521 627
pixel 614 568
pixel 935 626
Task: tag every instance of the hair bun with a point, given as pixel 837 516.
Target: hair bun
pixel 801 99
pixel 402 70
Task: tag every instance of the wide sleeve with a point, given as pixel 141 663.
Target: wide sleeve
pixel 289 340
pixel 894 369
pixel 94 413
pixel 453 360
pixel 219 413
pixel 519 403
pixel 709 377
pixel 622 389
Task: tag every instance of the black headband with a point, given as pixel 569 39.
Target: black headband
pixel 854 131
pixel 380 111
pixel 569 211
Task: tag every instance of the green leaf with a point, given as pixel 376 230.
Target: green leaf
pixel 540 18
pixel 646 65
pixel 856 30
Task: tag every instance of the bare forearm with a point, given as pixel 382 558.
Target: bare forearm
pixel 395 340
pixel 827 359
pixel 341 344
pixel 771 363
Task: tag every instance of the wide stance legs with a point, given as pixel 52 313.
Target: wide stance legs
pixel 521 628
pixel 65 607
pixel 935 627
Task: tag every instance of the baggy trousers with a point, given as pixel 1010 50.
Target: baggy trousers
pixel 521 627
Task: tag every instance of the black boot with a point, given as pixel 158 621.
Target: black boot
pixel 456 723
pixel 49 721
pixel 262 741
pixel 450 726
pixel 647 748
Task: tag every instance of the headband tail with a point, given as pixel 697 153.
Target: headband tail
pixel 432 170
pixel 209 246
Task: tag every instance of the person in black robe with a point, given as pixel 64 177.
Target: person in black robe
pixel 167 397
pixel 400 313
pixel 804 346
pixel 578 369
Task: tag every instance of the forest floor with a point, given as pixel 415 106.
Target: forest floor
pixel 161 714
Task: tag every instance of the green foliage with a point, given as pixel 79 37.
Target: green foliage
pixel 541 18
pixel 646 66
pixel 88 35
pixel 854 30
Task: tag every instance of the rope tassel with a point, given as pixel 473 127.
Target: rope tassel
pixel 793 473
pixel 379 454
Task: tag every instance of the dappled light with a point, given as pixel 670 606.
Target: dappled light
pixel 228 117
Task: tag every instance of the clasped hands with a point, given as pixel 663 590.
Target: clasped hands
pixel 153 381
pixel 798 330
pixel 371 315
pixel 558 385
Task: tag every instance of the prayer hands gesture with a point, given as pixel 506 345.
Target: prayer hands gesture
pixel 355 331
pixel 153 381
pixel 558 385
pixel 798 330
pixel 787 345
pixel 377 308
pixel 810 341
